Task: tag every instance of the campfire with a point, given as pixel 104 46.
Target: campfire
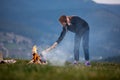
pixel 36 58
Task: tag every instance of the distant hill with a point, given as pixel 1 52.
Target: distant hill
pixel 15 46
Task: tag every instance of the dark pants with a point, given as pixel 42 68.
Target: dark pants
pixel 84 34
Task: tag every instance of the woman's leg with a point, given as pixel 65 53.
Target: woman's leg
pixel 76 47
pixel 86 44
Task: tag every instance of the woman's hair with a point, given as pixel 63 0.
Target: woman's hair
pixel 63 18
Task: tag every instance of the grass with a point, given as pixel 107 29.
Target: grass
pixel 22 71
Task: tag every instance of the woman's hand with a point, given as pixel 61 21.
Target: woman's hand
pixel 50 48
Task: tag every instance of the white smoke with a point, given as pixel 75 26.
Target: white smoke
pixel 62 53
pixel 57 57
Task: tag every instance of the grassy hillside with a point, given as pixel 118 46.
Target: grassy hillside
pixel 22 71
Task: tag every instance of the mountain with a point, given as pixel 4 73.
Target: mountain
pixel 38 20
pixel 15 46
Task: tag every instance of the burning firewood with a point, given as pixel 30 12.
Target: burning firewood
pixel 37 59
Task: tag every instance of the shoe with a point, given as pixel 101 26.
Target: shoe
pixel 75 62
pixel 87 63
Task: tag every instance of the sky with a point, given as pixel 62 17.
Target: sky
pixel 108 1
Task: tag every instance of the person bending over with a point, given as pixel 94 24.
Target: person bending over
pixel 78 26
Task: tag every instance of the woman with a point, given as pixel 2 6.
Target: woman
pixel 81 29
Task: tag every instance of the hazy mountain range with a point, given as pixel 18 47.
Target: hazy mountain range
pixel 38 20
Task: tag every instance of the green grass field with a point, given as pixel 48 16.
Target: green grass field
pixel 22 71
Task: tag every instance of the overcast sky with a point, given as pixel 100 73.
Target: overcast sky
pixel 108 1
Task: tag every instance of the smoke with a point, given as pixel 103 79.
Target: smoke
pixel 57 57
pixel 62 53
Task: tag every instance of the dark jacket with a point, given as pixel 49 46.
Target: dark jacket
pixel 76 25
